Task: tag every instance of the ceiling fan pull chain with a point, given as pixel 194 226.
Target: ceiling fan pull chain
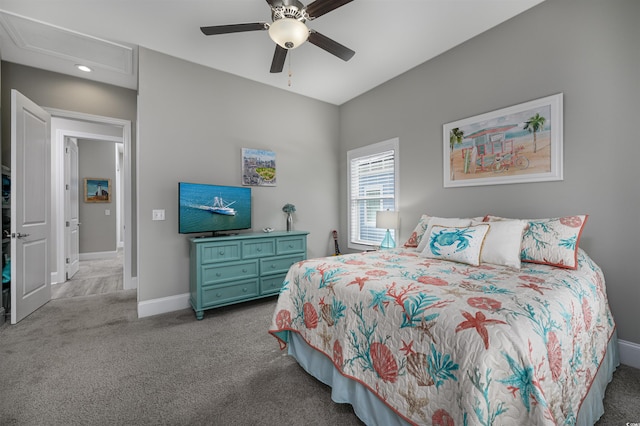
pixel 290 54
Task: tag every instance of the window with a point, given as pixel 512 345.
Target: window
pixel 373 177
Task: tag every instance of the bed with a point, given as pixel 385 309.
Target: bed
pixel 421 335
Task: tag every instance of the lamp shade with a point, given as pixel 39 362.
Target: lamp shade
pixel 386 219
pixel 288 32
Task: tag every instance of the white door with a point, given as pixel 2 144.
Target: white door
pixel 71 209
pixel 30 205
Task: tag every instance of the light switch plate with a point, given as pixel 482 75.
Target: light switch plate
pixel 158 214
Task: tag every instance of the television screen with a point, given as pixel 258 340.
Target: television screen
pixel 213 208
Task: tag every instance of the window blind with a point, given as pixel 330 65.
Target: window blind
pixel 372 180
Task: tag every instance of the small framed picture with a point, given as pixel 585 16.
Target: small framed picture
pixel 258 167
pixel 97 190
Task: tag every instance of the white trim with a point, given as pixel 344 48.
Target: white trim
pixel 163 305
pixel 629 353
pixel 387 145
pixel 125 139
pixel 98 255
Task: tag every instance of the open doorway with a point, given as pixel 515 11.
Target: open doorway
pixel 95 130
pixel 94 244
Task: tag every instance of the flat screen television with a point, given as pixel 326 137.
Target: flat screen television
pixel 213 208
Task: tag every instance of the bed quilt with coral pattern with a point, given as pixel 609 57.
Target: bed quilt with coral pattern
pixel 446 343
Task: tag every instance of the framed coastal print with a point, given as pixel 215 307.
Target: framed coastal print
pixel 518 144
pixel 97 190
pixel 258 167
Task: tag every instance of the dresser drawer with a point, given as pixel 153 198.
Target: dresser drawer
pixel 223 294
pixel 278 265
pixel 212 274
pixel 293 244
pixel 220 252
pixel 258 248
pixel 271 284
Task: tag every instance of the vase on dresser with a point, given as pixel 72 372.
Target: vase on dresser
pixel 289 222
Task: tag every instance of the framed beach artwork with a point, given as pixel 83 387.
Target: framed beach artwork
pixel 258 167
pixel 97 190
pixel 518 144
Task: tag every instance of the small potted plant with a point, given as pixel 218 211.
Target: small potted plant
pixel 289 209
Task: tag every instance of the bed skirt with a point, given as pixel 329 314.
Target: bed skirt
pixel 373 412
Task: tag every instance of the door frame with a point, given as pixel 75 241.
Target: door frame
pixel 124 136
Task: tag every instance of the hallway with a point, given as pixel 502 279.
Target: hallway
pixel 94 277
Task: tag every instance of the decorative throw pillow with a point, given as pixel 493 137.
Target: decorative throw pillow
pixel 457 244
pixel 418 232
pixel 503 242
pixel 552 241
pixel 443 221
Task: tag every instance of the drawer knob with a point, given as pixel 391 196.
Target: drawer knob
pixel 259 249
pixel 244 290
pixel 218 274
pixel 244 271
pixel 221 252
pixel 273 266
pixel 290 245
pixel 218 295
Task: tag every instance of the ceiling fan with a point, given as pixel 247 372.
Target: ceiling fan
pixel 288 29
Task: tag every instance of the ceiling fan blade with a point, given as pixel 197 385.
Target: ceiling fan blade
pixel 320 7
pixel 279 56
pixel 331 46
pixel 234 28
pixel 274 3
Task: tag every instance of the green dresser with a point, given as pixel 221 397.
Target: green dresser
pixel 236 268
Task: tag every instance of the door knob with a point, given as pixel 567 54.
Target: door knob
pixel 19 235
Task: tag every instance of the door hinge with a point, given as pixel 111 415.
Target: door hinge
pixel 67 224
pixel 68 260
pixel 66 150
pixel 66 186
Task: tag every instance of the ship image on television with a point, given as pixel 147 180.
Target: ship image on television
pixel 220 207
pixel 213 208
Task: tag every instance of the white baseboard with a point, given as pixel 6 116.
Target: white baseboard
pixel 130 284
pixel 629 353
pixel 163 305
pixel 97 255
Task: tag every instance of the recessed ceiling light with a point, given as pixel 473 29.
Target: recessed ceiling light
pixel 83 68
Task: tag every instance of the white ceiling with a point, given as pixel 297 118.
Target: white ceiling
pixel 388 36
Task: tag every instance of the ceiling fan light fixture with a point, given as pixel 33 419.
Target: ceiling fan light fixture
pixel 288 33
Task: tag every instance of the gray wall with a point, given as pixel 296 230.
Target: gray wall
pixel 193 122
pixel 98 232
pixel 587 50
pixel 54 90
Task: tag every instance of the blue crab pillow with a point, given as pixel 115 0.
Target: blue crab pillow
pixel 462 245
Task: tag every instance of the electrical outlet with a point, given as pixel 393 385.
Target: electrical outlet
pixel 107 212
pixel 158 214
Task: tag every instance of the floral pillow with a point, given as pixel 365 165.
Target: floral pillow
pixel 456 244
pixel 553 241
pixel 418 232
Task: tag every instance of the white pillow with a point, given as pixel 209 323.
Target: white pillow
pixel 457 244
pixel 503 242
pixel 443 221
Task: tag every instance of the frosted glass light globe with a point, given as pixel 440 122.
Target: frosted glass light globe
pixel 288 32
